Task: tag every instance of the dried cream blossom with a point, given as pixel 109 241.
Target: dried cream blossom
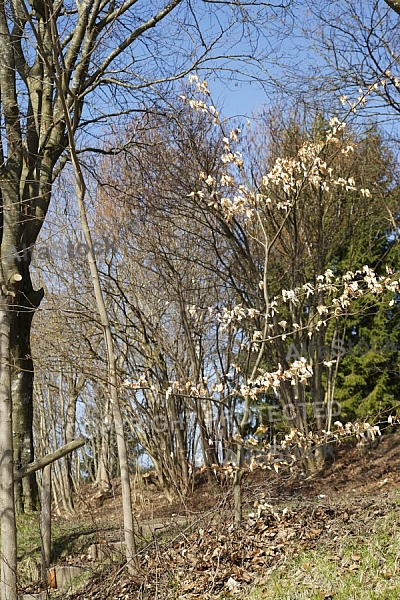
pixel 227 180
pixel 234 134
pixel 309 289
pixel 289 295
pixel 322 310
pixel 299 370
pixel 210 180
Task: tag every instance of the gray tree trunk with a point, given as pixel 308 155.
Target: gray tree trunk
pixel 103 480
pixel 129 533
pixel 22 374
pixel 8 524
pixel 46 522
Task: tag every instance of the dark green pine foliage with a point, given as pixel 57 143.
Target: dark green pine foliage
pixel 368 383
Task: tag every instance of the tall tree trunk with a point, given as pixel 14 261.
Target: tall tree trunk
pixel 129 532
pixel 8 525
pixel 73 388
pixel 103 480
pixel 180 447
pixel 22 374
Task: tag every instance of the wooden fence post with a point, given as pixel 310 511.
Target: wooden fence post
pixel 46 522
pixel 45 463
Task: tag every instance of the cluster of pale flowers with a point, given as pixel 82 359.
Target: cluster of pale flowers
pixel 281 186
pixel 201 88
pixel 287 175
pixel 350 286
pixel 353 285
pixel 235 315
pixel 137 384
pixel 299 371
pixel 377 86
pixel 186 388
pixel 296 446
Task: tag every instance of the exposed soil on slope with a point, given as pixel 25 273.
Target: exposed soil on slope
pixel 193 549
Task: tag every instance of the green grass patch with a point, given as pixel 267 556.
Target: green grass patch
pixel 354 567
pixel 67 539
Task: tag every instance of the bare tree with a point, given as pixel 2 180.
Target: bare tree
pixel 356 49
pixel 176 259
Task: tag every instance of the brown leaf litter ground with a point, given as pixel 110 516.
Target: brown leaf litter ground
pixel 193 549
